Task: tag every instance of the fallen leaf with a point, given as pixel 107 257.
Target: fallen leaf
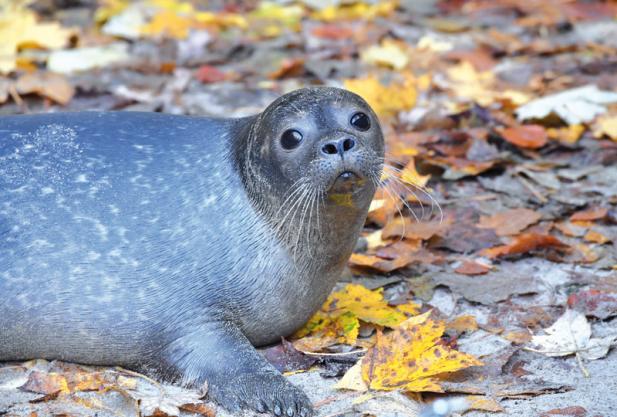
pixel 573 411
pixel 19 28
pixel 166 23
pixel 526 136
pixel 510 222
pixel 596 237
pixel 525 243
pixel 208 74
pixel 386 100
pixel 410 357
pixel 389 53
pixel 482 403
pixel 600 304
pixel 356 10
pixel 412 229
pixel 606 126
pixel 286 358
pixel 595 213
pixel 47 84
pixel 352 380
pixel 571 334
pixel 378 263
pixel 461 324
pixel 46 383
pixel 338 319
pixel 575 106
pixel 67 61
pixel 569 134
pixel 472 268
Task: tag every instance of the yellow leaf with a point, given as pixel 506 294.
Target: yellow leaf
pixel 570 134
pixel 367 305
pixel 352 380
pixel 385 100
pixel 389 54
pixel 374 240
pixel 411 176
pixel 480 402
pixel 471 84
pixel 606 126
pixel 410 358
pixel 19 28
pixel 356 10
pixel 338 320
pixel 168 23
pixel 270 19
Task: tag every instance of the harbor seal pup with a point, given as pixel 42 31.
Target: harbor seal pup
pixel 176 244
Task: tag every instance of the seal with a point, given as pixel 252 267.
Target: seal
pixel 175 244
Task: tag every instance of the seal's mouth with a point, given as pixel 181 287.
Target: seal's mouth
pixel 347 181
pixel 347 176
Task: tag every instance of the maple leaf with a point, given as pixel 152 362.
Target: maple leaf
pixel 385 100
pixel 338 321
pixel 19 27
pixel 409 358
pixel 571 334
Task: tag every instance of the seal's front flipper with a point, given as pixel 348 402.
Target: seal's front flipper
pixel 237 375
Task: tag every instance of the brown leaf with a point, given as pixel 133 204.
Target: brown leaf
pixel 595 213
pixel 525 243
pixel 208 74
pixel 472 268
pixel 510 222
pixel 573 411
pixel 526 136
pixel 202 409
pixel 412 229
pixel 334 31
pixel 46 383
pixel 47 84
pixel 596 237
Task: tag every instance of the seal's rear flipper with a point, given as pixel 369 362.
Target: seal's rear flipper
pixel 237 375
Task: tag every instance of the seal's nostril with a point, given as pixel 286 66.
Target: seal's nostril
pixel 329 148
pixel 348 144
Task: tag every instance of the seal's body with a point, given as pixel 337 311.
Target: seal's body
pixel 173 243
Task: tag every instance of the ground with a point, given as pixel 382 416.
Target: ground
pixel 498 212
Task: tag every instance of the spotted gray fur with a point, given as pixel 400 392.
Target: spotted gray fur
pixel 170 243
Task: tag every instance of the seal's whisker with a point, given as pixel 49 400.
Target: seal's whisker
pixel 424 190
pixel 407 188
pixel 301 209
pixel 292 208
pixel 386 188
pixel 310 222
pixel 295 187
pixel 395 176
pixel 378 183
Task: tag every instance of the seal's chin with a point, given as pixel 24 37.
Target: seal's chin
pixel 347 182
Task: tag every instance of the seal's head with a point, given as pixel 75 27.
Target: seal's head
pixel 326 140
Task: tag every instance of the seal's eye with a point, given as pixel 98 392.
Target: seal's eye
pixel 360 121
pixel 291 139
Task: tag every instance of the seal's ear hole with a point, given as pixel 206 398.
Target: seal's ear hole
pixel 290 139
pixel 360 121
